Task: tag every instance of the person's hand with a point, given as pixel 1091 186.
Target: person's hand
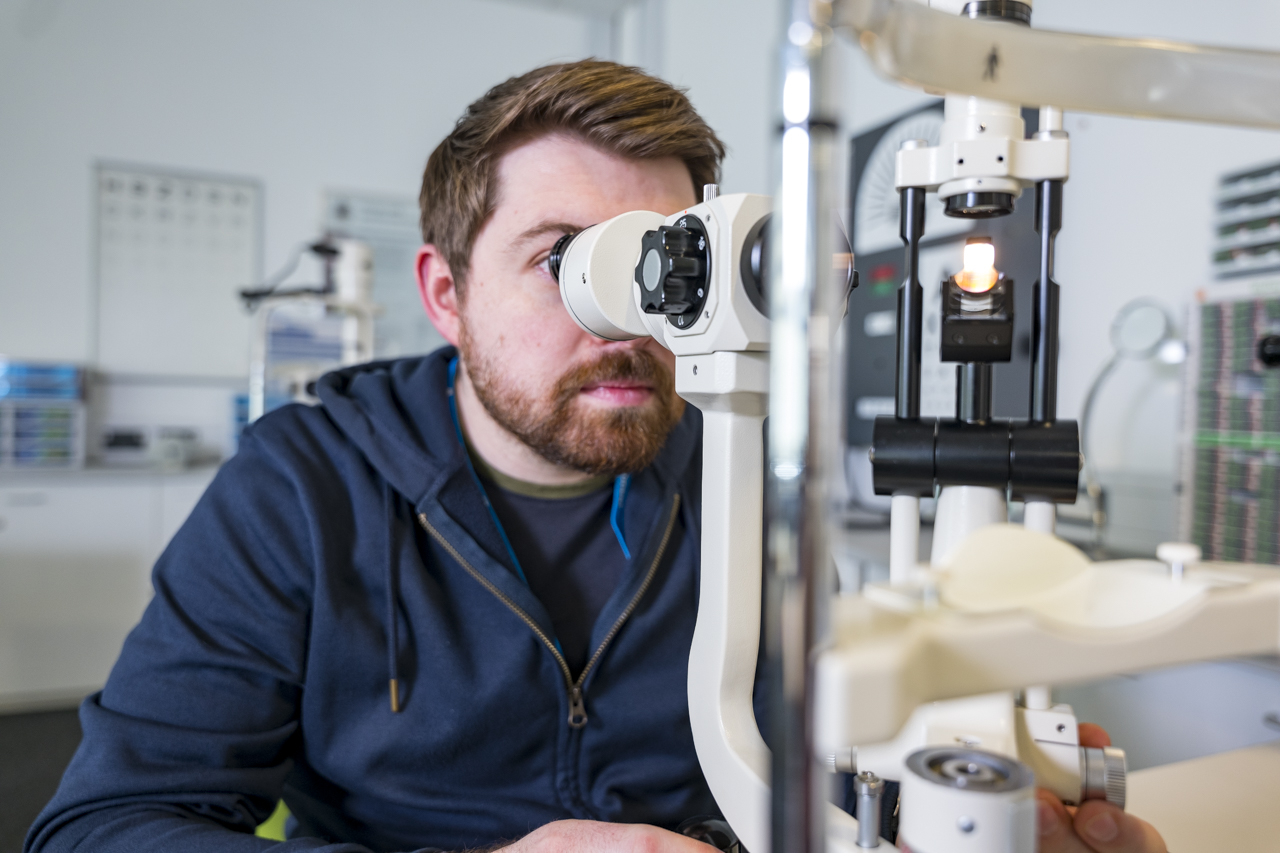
pixel 1095 827
pixel 589 836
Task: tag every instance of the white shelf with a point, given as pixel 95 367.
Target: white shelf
pixel 1249 212
pixel 1250 237
pixel 98 473
pixel 1250 186
pixel 1249 264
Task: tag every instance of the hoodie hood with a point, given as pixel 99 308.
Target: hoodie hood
pixel 395 412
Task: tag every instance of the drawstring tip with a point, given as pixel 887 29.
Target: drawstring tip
pixel 395 696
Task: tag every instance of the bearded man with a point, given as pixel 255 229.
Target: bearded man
pixel 451 606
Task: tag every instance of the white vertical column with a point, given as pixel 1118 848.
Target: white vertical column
pixel 1040 516
pixel 1038 698
pixel 731 391
pixel 904 537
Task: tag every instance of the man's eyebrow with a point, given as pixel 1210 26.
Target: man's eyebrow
pixel 543 228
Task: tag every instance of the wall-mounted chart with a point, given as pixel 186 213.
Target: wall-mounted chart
pixel 173 249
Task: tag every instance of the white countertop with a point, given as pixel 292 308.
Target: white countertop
pixel 36 477
pixel 1225 803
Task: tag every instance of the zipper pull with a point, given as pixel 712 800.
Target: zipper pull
pixel 577 708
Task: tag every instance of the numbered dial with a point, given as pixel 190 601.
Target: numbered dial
pixel 674 271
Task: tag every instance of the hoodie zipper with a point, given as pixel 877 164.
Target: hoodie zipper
pixel 577 703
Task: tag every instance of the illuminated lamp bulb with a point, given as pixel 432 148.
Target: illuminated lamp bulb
pixel 979 274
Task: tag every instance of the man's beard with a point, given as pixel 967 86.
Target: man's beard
pixel 570 432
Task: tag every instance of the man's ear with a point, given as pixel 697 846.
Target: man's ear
pixel 439 292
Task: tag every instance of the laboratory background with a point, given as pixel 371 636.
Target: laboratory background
pixel 206 205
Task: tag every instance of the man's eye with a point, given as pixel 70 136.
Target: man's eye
pixel 544 266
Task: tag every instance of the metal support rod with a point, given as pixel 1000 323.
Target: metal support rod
pixel 910 305
pixel 1044 346
pixel 973 392
pixel 870 791
pixel 802 421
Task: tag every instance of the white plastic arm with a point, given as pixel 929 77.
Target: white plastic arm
pixel 883 665
pixel 1149 78
pixel 731 389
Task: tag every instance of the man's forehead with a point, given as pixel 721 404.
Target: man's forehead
pixel 558 178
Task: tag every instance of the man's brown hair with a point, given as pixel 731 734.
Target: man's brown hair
pixel 620 109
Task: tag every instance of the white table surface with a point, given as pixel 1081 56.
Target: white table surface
pixel 1225 803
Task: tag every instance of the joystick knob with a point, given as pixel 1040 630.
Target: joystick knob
pixel 1269 350
pixel 674 271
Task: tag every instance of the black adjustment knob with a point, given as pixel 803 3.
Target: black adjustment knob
pixel 1269 350
pixel 674 271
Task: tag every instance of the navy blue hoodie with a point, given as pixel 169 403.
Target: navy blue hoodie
pixel 343 546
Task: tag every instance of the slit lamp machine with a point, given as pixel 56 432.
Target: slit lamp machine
pixel 935 679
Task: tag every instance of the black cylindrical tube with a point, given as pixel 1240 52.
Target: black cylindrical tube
pixel 972 454
pixel 1044 461
pixel 973 392
pixel 903 456
pixel 1044 347
pixel 910 305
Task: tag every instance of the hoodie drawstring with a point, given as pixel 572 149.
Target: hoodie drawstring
pixel 620 485
pixel 393 598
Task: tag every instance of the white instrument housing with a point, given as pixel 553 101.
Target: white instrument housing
pixel 597 280
pixel 595 276
pixel 984 149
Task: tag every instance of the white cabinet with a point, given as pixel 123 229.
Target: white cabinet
pixel 76 551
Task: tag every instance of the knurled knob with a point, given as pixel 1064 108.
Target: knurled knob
pixel 672 271
pixel 1269 350
pixel 1104 774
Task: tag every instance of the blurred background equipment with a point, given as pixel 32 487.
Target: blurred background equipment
pixel 1248 223
pixel 1141 330
pixel 42 415
pixel 388 224
pixel 1231 508
pixel 1230 505
pixel 305 331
